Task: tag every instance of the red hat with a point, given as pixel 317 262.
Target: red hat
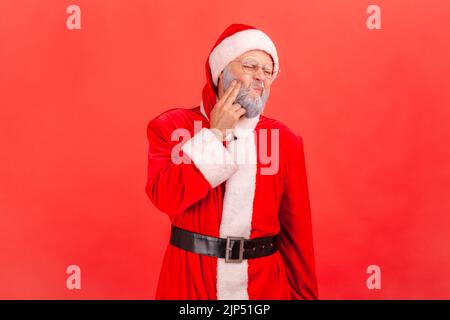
pixel 234 41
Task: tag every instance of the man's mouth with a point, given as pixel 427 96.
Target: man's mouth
pixel 258 89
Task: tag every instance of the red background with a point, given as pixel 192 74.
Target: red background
pixel 372 107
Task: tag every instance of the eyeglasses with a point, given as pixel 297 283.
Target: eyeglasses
pixel 251 66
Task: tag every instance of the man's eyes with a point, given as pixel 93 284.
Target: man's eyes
pixel 255 67
pixel 251 66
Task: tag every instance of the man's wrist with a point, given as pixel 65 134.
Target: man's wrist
pixel 218 133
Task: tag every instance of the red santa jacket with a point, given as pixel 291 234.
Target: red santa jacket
pixel 228 196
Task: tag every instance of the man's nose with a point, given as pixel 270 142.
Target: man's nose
pixel 258 80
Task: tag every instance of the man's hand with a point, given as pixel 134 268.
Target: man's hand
pixel 225 113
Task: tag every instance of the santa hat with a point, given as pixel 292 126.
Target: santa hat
pixel 234 41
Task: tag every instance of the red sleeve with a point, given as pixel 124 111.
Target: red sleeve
pixel 173 187
pixel 296 241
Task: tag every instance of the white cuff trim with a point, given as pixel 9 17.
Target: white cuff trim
pixel 210 156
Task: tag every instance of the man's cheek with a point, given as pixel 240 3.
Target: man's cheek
pixel 246 81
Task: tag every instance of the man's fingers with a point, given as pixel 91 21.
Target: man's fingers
pixel 233 94
pixel 227 93
pixel 240 112
pixel 235 107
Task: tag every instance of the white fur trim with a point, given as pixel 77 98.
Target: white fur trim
pixel 235 45
pixel 237 209
pixel 232 278
pixel 245 126
pixel 210 156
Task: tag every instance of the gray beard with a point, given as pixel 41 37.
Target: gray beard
pixel 252 106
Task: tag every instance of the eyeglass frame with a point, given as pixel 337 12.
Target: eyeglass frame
pixel 275 70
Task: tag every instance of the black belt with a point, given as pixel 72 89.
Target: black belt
pixel 232 249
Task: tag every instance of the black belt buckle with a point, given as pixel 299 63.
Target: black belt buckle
pixel 229 249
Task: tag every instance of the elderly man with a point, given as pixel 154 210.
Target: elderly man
pixel 241 225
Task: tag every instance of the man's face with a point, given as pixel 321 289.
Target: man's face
pixel 255 84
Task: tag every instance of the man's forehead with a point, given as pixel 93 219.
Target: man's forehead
pixel 259 55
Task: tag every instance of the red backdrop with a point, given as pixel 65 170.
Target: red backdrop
pixel 372 107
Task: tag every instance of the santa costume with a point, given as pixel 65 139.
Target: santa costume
pixel 223 197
